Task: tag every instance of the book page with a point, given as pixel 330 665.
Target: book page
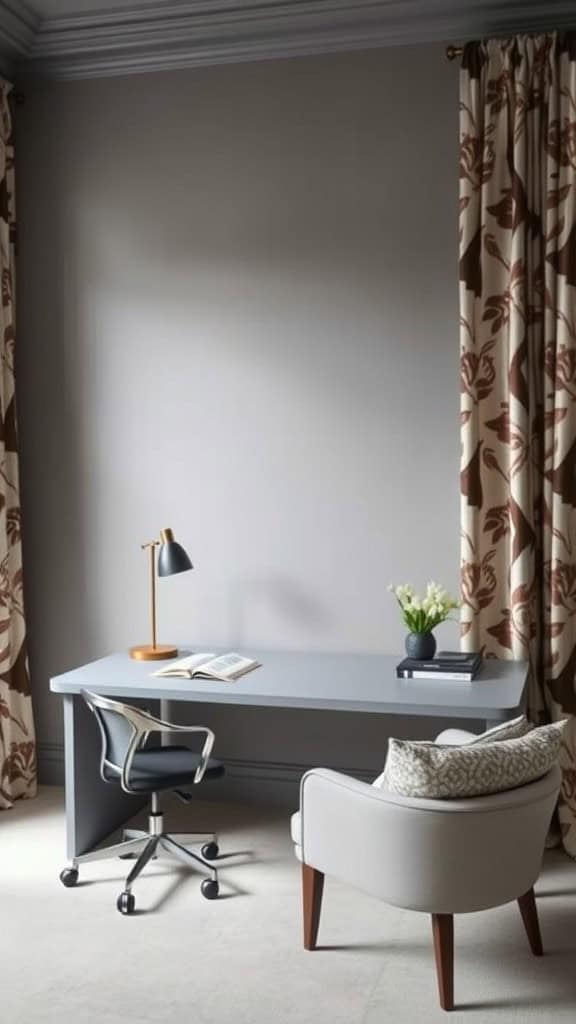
pixel 228 666
pixel 184 665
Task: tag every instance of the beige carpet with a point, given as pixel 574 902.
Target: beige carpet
pixel 67 955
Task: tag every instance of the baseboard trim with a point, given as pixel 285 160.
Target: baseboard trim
pixel 255 781
pixel 50 759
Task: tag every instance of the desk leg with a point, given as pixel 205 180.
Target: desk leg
pixel 491 723
pixel 94 808
pixel 165 737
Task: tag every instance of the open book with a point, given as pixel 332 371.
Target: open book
pixel 225 667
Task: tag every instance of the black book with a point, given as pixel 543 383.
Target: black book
pixel 446 665
pixel 458 657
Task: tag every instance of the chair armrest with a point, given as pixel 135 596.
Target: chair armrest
pixel 342 823
pixel 144 723
pixel 455 737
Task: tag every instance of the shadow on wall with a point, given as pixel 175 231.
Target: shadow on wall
pixel 55 556
pixel 286 255
pixel 281 599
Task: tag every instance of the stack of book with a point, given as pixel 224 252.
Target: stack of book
pixel 446 665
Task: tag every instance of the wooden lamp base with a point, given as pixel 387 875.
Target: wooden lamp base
pixel 160 652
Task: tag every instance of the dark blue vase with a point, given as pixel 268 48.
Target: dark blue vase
pixel 421 645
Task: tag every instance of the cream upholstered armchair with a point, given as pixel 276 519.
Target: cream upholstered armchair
pixel 441 857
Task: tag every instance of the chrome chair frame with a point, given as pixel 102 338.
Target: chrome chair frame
pixel 142 843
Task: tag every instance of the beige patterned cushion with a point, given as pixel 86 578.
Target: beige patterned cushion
pixel 457 737
pixel 504 731
pixel 511 730
pixel 428 770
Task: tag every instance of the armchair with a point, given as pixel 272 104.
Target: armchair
pixel 441 857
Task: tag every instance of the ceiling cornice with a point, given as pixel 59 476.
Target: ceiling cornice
pixel 192 33
pixel 18 27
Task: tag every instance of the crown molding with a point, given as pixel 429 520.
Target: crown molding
pixel 18 27
pixel 194 33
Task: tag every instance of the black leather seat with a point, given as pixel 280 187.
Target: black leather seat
pixel 158 768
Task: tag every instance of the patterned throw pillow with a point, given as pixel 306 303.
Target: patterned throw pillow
pixel 505 731
pixel 511 730
pixel 427 770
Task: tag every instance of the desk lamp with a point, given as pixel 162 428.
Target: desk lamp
pixel 171 559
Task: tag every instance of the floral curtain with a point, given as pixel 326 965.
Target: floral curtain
pixel 518 369
pixel 17 743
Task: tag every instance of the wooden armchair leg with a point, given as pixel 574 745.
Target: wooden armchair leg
pixel 312 887
pixel 443 933
pixel 527 904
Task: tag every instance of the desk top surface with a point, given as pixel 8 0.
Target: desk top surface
pixel 297 679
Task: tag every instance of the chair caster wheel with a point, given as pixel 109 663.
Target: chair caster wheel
pixel 210 851
pixel 69 877
pixel 126 903
pixel 210 889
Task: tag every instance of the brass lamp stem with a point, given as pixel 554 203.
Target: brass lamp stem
pixel 153 593
pixel 152 545
pixel 154 651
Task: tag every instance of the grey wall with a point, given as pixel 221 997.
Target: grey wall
pixel 238 317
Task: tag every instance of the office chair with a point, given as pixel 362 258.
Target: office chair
pixel 126 762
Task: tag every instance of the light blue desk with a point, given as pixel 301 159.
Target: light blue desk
pixel 287 679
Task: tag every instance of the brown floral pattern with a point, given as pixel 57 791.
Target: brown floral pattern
pixel 518 370
pixel 17 741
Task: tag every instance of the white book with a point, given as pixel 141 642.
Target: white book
pixel 416 673
pixel 224 667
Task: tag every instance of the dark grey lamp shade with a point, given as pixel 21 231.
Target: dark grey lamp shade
pixel 172 557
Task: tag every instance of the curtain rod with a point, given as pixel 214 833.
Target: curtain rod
pixel 452 52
